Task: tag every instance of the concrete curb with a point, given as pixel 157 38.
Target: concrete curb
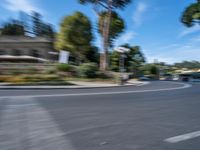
pixel 8 87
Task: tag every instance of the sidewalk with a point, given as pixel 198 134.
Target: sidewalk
pixel 78 85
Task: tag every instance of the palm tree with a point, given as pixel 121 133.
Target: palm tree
pixel 191 15
pixel 108 6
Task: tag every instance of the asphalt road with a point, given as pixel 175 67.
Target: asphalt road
pixel 157 116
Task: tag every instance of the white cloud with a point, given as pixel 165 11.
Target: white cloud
pixel 195 39
pixel 177 54
pixel 139 12
pixel 191 30
pixel 125 38
pixel 168 60
pixel 20 5
pixel 168 47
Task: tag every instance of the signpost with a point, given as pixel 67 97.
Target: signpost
pixel 64 57
pixel 122 50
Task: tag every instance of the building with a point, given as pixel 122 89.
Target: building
pixel 24 48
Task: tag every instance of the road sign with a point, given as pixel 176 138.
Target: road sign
pixel 64 57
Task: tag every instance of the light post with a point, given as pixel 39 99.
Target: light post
pixel 122 51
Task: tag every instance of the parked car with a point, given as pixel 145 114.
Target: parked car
pixel 144 78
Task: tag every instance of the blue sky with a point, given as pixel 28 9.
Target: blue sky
pixel 152 24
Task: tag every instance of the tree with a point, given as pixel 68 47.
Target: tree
pixel 188 64
pixel 191 15
pixel 116 26
pixel 152 70
pixel 107 6
pixel 133 59
pixel 13 28
pixel 91 54
pixel 75 35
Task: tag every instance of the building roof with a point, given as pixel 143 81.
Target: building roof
pixel 24 39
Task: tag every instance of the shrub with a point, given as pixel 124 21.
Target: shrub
pixel 16 72
pixel 32 70
pixel 50 71
pixel 50 78
pixel 39 78
pixel 16 79
pixel 104 75
pixel 4 78
pixel 64 67
pixel 154 70
pixel 88 70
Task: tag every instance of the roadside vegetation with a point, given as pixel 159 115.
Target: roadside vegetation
pixel 86 63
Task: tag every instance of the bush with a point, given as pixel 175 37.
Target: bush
pixel 16 79
pixel 50 78
pixel 4 78
pixel 88 70
pixel 154 70
pixel 51 71
pixel 16 72
pixel 104 75
pixel 64 67
pixel 39 78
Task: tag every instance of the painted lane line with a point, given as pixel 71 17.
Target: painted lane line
pixel 98 93
pixel 30 126
pixel 183 137
pixel 144 83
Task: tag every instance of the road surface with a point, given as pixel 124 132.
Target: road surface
pixel 157 116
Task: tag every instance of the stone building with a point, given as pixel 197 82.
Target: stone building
pixel 27 48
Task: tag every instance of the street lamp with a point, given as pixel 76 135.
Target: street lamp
pixel 122 50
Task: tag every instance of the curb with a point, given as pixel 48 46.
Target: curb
pixel 67 87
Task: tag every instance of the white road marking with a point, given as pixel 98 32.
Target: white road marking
pixel 99 93
pixel 28 126
pixel 183 137
pixel 143 83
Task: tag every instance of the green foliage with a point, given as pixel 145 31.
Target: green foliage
pixel 188 64
pixel 106 24
pixel 13 28
pixel 29 78
pixel 75 35
pixel 150 69
pixel 4 78
pixel 64 67
pixel 191 15
pixel 116 26
pixel 39 78
pixel 133 59
pixel 114 61
pixel 154 70
pixel 88 70
pixel 104 3
pixel 51 71
pixel 104 75
pixel 92 54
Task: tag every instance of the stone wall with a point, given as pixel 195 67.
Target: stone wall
pixel 17 45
